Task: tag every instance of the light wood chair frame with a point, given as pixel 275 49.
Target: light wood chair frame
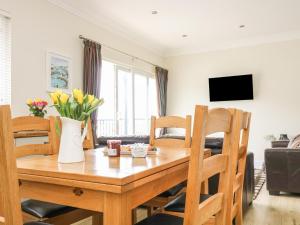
pixel 214 209
pixel 162 123
pixel 28 127
pixel 238 168
pixel 10 207
pixel 171 122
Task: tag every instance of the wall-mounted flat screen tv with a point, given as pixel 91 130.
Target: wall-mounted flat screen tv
pixel 231 88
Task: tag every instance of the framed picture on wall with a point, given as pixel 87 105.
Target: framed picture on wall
pixel 59 72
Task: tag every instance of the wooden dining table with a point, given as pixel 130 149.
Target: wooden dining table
pixel 111 185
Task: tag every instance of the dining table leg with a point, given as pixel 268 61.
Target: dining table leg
pixel 117 210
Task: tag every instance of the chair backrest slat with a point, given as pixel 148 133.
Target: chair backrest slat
pixel 32 149
pixel 209 207
pixel 214 165
pixel 207 122
pixel 28 124
pixel 9 187
pixel 171 122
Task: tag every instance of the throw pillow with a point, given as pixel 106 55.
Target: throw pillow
pixel 295 142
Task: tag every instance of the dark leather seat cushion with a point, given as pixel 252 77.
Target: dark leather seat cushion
pixel 44 209
pixel 178 204
pixel 162 219
pixel 173 191
pixel 36 223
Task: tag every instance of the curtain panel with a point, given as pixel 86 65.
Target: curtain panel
pixel 92 74
pixel 161 76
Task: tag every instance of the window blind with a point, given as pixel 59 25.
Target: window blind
pixel 5 60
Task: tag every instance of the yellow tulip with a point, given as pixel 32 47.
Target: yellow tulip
pixel 54 97
pixel 78 95
pixel 64 98
pixel 97 102
pixel 29 101
pixel 91 98
pixel 58 93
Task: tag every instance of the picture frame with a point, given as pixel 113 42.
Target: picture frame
pixel 59 72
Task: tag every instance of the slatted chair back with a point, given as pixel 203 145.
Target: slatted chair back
pixel 171 122
pixel 207 122
pixel 238 168
pixel 39 127
pixel 9 187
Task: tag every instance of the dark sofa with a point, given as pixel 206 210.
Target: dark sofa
pixel 215 144
pixel 283 170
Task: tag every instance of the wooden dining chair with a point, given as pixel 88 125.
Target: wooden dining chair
pixel 168 141
pixel 170 122
pixel 237 171
pixel 25 127
pixel 197 208
pixel 10 207
pixel 238 167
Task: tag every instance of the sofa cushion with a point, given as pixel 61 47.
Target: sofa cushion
pixel 295 142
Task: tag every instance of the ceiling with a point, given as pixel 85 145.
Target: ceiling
pixel 209 24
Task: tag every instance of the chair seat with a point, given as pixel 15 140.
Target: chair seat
pixel 161 219
pixel 178 204
pixel 41 209
pixel 173 191
pixel 36 223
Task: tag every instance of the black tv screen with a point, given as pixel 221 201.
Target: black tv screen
pixel 231 88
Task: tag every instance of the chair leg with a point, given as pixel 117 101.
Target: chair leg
pixel 97 219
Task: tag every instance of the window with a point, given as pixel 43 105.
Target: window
pixel 5 61
pixel 130 101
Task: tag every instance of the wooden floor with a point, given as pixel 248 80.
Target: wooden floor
pixel 274 210
pixel 266 210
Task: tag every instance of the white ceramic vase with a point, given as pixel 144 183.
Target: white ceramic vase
pixel 70 149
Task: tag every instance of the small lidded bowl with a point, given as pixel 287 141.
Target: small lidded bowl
pixel 139 150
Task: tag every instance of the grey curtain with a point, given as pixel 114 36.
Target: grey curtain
pixel 92 74
pixel 161 76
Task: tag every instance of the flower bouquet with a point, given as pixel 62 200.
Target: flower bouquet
pixel 37 107
pixel 74 110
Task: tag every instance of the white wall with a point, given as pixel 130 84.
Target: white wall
pixel 38 26
pixel 276 73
